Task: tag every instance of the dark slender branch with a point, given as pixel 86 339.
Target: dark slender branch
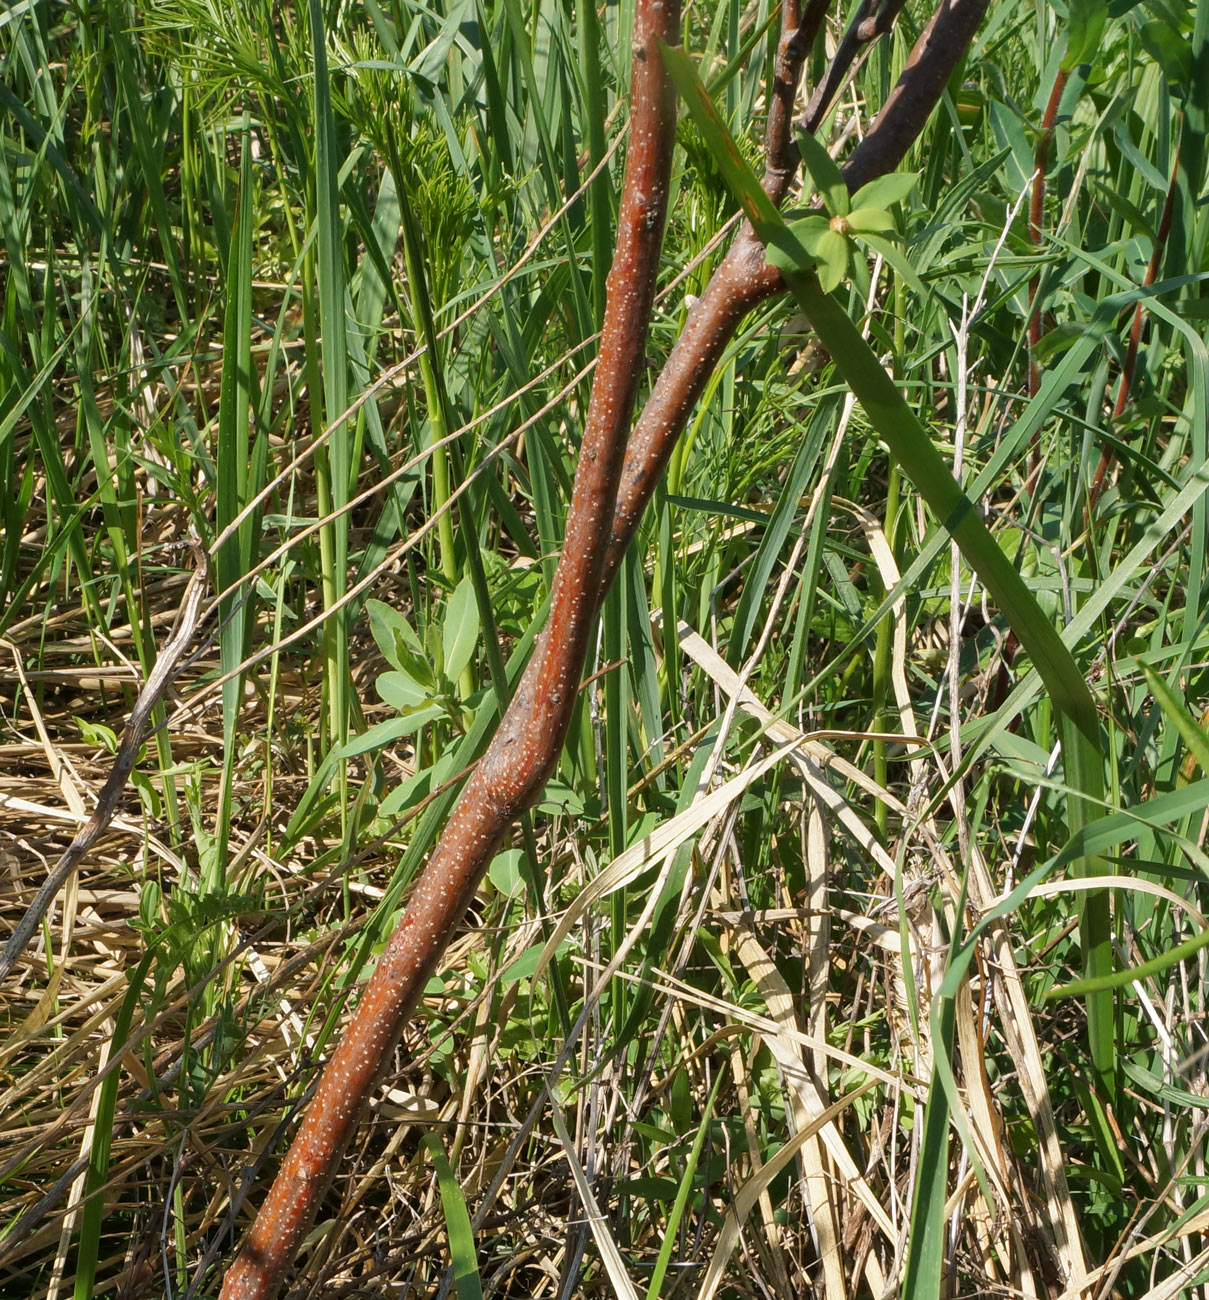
pixel 798 33
pixel 941 46
pixel 1135 334
pixel 526 747
pixel 873 19
pixel 743 280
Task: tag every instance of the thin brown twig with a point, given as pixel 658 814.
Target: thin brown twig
pixel 939 49
pixel 133 734
pixel 799 30
pixel 873 19
pixel 1135 335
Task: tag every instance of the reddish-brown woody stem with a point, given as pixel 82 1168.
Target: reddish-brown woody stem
pixel 744 279
pixel 1135 334
pixel 521 756
pixel 606 507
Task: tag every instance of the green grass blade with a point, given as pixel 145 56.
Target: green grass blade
pixel 685 1175
pixel 912 448
pixel 1142 971
pixel 233 489
pixel 926 1245
pixel 457 1224
pixel 338 460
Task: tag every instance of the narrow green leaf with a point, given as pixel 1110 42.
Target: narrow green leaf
pixel 896 258
pixel 386 733
pixel 926 1242
pixel 334 465
pixel 1144 970
pixel 757 206
pixel 827 177
pixel 457 1225
pixel 233 488
pixel 685 1188
pixel 1190 731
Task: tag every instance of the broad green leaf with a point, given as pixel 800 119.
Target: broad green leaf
pixel 527 963
pixel 97 733
pixel 810 229
pixel 832 252
pixel 864 220
pixel 885 190
pixel 505 872
pixel 460 633
pixel 402 691
pixel 392 632
pixel 1169 50
pixel 1086 23
pixel 406 795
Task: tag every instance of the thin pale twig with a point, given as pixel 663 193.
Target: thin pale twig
pixel 166 665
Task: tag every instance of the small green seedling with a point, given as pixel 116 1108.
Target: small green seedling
pixel 828 236
pixel 422 685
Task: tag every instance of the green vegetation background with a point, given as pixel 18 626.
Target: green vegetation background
pixel 226 231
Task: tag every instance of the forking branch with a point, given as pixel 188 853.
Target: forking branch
pixel 613 485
